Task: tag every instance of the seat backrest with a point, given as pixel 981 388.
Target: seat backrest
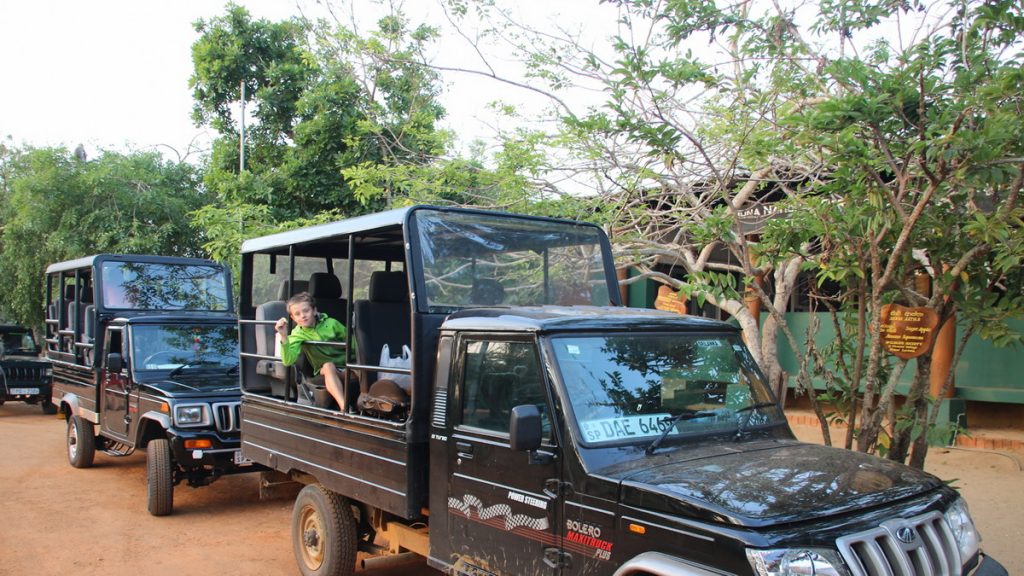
pixel 383 319
pixel 84 302
pixel 325 288
pixel 265 333
pixel 68 306
pixel 487 292
pixel 283 292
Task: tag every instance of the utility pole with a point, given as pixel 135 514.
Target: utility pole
pixel 241 134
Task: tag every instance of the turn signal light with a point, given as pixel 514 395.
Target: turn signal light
pixel 637 529
pixel 198 444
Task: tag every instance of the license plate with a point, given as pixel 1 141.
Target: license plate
pixel 239 459
pixel 22 391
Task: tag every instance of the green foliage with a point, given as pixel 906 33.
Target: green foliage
pixel 57 207
pixel 324 101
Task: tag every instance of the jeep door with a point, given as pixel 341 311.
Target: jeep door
pixel 114 386
pixel 502 512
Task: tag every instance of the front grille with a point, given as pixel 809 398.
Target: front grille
pixel 24 374
pixel 225 416
pixel 919 546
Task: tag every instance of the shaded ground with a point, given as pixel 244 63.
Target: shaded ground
pixel 59 520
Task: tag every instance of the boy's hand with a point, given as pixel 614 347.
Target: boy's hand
pixel 282 328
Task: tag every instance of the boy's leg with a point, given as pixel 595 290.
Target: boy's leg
pixel 333 382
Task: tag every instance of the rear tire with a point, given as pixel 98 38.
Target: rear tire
pixel 159 477
pixel 324 535
pixel 81 442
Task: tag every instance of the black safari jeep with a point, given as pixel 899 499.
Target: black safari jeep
pixel 543 428
pixel 24 377
pixel 145 355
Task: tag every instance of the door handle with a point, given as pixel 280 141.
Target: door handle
pixel 464 450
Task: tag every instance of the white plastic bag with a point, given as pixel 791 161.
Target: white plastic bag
pixel 404 381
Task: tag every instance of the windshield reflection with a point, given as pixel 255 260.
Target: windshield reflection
pixel 627 388
pixel 19 342
pixel 471 259
pixel 172 347
pixel 149 286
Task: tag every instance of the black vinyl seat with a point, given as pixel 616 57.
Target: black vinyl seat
pixel 382 319
pixel 325 288
pixel 486 292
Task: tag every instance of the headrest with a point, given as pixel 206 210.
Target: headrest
pixel 69 292
pixel 324 285
pixel 388 287
pixel 283 293
pixel 85 294
pixel 486 291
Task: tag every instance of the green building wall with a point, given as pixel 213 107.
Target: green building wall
pixel 985 373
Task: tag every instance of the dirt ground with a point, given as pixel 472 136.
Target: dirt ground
pixel 60 520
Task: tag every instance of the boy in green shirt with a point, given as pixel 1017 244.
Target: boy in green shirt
pixel 310 325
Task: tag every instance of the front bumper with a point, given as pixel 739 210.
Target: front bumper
pixel 987 566
pixel 222 455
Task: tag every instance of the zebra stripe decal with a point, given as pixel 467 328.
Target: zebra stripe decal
pixel 471 506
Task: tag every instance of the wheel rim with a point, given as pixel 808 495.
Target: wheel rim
pixel 311 526
pixel 72 440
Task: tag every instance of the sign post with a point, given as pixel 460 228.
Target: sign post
pixel 668 299
pixel 908 332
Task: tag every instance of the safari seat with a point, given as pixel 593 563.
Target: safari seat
pixel 381 319
pixel 325 288
pixel 266 338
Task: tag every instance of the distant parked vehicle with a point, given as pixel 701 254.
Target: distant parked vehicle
pixel 24 377
pixel 145 355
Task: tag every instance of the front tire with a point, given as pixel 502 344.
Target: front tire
pixel 324 535
pixel 159 477
pixel 48 407
pixel 81 442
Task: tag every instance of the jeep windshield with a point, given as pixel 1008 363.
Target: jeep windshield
pixel 161 347
pixel 475 259
pixel 637 388
pixel 162 286
pixel 19 342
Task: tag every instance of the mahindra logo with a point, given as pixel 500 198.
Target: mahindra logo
pixel 906 535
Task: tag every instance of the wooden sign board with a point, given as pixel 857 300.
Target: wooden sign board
pixel 668 299
pixel 907 332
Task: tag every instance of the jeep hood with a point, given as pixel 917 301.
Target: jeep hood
pixel 195 382
pixel 767 483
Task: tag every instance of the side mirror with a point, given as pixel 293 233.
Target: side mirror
pixel 524 427
pixel 114 362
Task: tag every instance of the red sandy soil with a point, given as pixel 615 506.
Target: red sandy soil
pixel 61 520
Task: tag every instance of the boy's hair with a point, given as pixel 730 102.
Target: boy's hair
pixel 300 298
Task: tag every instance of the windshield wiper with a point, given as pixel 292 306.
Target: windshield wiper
pixel 178 370
pixel 232 369
pixel 741 424
pixel 195 364
pixel 685 415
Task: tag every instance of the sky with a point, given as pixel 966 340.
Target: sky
pixel 113 74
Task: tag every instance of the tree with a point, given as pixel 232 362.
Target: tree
pixel 57 207
pixel 332 107
pixel 888 133
pixel 325 99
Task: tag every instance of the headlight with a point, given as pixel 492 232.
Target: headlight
pixel 191 415
pixel 797 561
pixel 964 532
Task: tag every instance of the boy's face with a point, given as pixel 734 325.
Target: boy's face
pixel 303 314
